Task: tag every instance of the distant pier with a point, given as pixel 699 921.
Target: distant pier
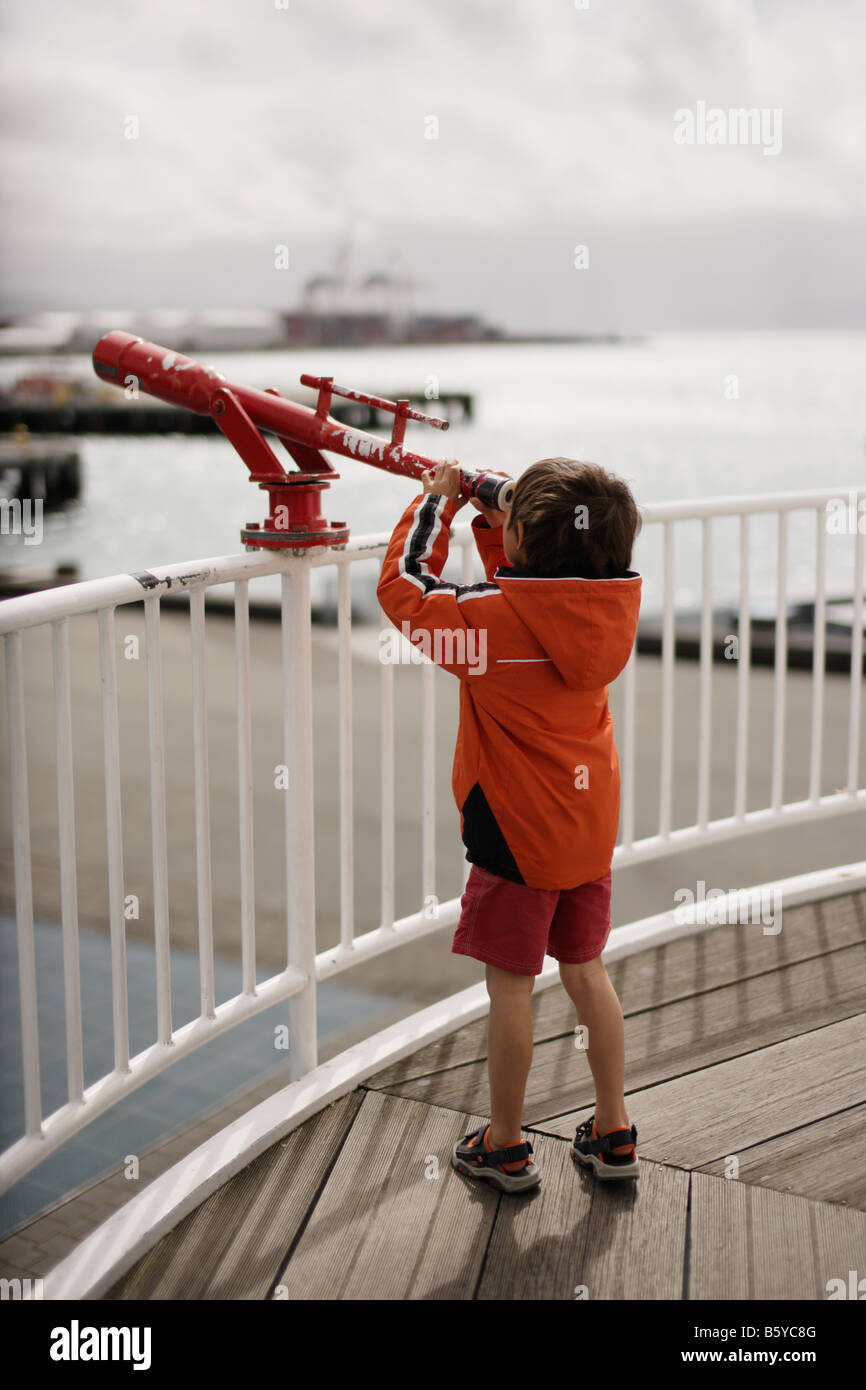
pixel 49 471
pixel 86 414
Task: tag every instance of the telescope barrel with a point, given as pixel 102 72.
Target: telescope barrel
pixel 123 359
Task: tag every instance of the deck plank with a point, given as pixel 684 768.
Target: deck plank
pixel 667 1042
pixel 662 975
pixel 382 1228
pixel 822 1160
pixel 753 1243
pixel 577 1239
pixel 234 1243
pixel 726 1109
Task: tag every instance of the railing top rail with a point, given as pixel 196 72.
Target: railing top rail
pixel 71 600
pixel 689 509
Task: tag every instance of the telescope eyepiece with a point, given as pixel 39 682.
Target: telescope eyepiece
pixel 495 492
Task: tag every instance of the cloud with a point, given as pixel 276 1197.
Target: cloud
pixel 264 125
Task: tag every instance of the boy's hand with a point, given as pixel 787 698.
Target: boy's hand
pixel 492 517
pixel 445 478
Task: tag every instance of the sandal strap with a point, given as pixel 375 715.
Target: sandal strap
pixel 615 1140
pixel 512 1154
pixel 477 1149
pixel 476 1134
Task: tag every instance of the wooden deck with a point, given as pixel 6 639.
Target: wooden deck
pixel 746 1076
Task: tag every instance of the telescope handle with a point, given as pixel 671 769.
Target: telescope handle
pixel 327 387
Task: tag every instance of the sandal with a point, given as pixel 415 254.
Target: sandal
pixel 595 1151
pixel 473 1157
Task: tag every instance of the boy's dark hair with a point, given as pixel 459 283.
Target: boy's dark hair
pixel 578 520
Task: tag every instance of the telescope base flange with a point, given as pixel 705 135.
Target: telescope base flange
pixel 258 537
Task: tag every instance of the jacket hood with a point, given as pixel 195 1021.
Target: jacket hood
pixel 586 626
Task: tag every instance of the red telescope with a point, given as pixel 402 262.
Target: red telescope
pixel 295 521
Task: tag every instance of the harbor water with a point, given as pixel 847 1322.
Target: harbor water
pixel 677 415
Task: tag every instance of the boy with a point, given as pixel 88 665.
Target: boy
pixel 536 774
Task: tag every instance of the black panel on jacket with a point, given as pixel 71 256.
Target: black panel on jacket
pixel 485 843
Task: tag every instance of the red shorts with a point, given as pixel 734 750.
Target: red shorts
pixel 514 926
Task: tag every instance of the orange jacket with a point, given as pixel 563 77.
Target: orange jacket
pixel 536 773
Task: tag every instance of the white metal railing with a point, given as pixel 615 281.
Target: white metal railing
pixel 297 983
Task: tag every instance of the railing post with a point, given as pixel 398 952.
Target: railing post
pixel 245 786
pixel 628 778
pixel 23 884
pixel 114 836
pixel 300 851
pixel 428 783
pixel 744 666
pixel 386 756
pixel 159 833
pixel 347 824
pixel 781 666
pixel 203 869
pixel 856 694
pixel 68 861
pixel 706 673
pixel 667 710
pixel 819 630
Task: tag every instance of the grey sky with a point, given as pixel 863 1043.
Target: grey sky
pixel 262 126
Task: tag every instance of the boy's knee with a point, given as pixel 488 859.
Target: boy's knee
pixel 504 982
pixel 578 976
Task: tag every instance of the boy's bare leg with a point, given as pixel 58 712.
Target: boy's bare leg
pixel 509 1051
pixel 598 1009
